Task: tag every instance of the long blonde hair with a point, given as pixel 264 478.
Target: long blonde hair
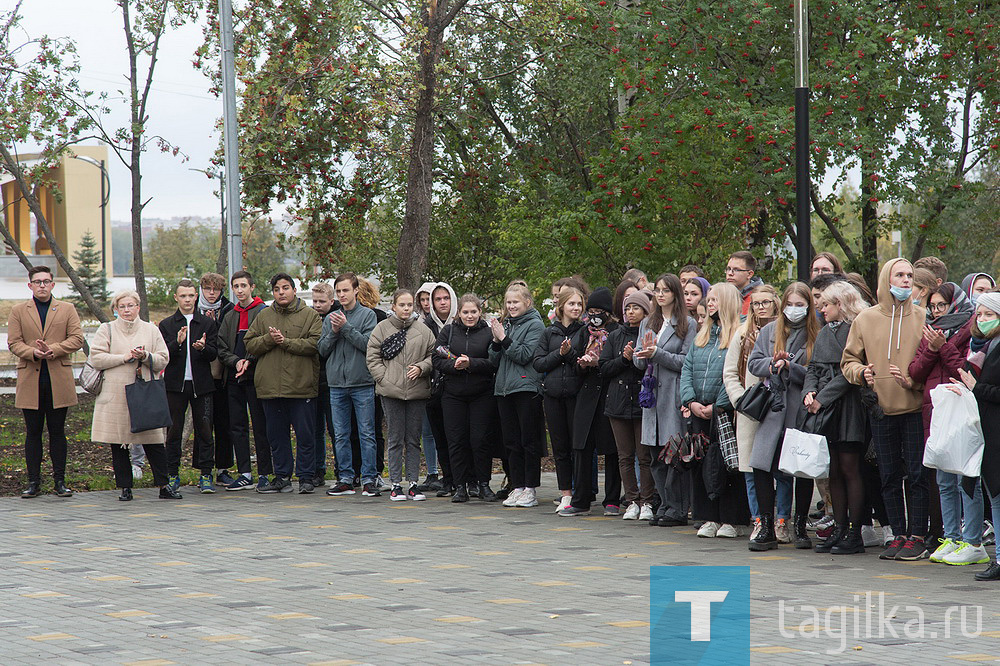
pixel 729 304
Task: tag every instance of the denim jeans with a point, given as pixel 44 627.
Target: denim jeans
pixel 751 495
pixel 955 504
pixel 361 401
pixel 783 495
pixel 429 446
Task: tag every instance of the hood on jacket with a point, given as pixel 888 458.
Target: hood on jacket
pixel 454 304
pixel 427 287
pixel 292 307
pixel 959 311
pixel 531 313
pixel 745 291
pixel 402 323
pixel 970 280
pixel 890 307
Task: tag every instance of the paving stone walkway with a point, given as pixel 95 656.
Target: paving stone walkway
pixel 303 579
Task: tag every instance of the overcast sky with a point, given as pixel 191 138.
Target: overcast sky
pixel 180 108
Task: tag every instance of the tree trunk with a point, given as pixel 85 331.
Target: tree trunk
pixel 869 228
pixel 414 237
pixel 32 201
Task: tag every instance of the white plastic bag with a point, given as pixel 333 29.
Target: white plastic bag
pixel 956 441
pixel 805 455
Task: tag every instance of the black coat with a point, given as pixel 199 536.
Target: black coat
pixel 560 379
pixel 201 360
pixel 987 392
pixel 473 342
pixel 624 379
pixel 849 422
pixel 589 420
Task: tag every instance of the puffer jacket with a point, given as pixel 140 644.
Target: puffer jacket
pixel 291 369
pixel 473 342
pixel 513 355
pixel 560 378
pixel 390 376
pixel 624 379
pixel 701 376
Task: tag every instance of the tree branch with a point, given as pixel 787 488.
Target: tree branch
pixel 831 225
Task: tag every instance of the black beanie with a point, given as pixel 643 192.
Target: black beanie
pixel 600 299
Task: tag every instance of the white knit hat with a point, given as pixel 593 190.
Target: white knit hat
pixel 990 300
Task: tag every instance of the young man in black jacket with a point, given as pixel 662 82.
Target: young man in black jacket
pixel 191 340
pixel 213 304
pixel 238 388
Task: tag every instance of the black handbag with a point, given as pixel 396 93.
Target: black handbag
pixel 147 402
pixel 755 401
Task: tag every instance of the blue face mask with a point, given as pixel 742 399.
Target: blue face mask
pixel 974 298
pixel 901 294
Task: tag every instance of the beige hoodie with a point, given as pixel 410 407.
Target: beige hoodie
pixel 887 334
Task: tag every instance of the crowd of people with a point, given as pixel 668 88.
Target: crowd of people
pixel 657 377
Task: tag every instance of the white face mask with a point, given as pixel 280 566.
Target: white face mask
pixel 795 313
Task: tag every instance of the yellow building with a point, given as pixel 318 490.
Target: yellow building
pixel 80 178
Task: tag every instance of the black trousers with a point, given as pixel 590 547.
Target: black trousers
pixel 241 398
pixel 324 427
pixel 121 460
pixel 201 418
pixel 468 422
pixel 221 426
pixel 34 423
pixel 520 422
pixel 559 419
pixel 435 417
pixel 731 507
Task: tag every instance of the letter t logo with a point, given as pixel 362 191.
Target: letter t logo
pixel 701 610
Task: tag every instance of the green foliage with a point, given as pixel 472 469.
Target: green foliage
pixel 87 260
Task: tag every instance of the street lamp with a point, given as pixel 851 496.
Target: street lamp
pixel 803 245
pixel 105 197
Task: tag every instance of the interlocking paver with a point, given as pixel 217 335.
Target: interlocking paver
pixel 352 580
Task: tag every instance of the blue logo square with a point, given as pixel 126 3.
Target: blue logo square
pixel 699 615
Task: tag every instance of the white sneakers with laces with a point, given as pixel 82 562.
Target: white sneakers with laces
pixel 709 530
pixel 527 499
pixel 646 513
pixel 564 503
pixel 514 496
pixel 966 553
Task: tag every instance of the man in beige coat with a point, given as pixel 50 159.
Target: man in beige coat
pixel 43 333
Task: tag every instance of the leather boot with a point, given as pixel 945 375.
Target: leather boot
pixel 34 489
pixel 838 533
pixel 765 539
pixel 852 542
pixel 486 493
pixel 126 495
pixel 61 490
pixel 461 494
pixel 802 540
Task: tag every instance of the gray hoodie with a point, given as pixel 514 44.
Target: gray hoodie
pixel 345 350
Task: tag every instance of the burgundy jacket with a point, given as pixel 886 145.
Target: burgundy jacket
pixel 938 367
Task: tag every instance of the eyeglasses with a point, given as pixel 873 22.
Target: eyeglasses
pixel 42 283
pixel 661 290
pixel 937 307
pixel 732 271
pixel 761 304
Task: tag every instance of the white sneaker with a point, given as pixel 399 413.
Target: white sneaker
pixel 726 532
pixel 527 499
pixel 708 530
pixel 781 531
pixel 513 497
pixel 136 472
pixel 870 537
pixel 947 547
pixel 646 513
pixel 966 553
pixel 564 503
pixel 631 512
pixel 887 535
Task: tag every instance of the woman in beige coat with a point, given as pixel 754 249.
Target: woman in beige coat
pixel 399 359
pixel 119 348
pixel 737 379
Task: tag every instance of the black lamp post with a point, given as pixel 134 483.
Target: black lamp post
pixel 803 244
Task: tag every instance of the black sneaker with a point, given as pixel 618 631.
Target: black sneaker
pixel 371 490
pixel 306 487
pixel 278 484
pixel 397 494
pixel 319 480
pixel 913 549
pixel 672 522
pixel 894 547
pixel 224 478
pixel 572 511
pixel 168 492
pixel 991 572
pixel 341 488
pixel 240 484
